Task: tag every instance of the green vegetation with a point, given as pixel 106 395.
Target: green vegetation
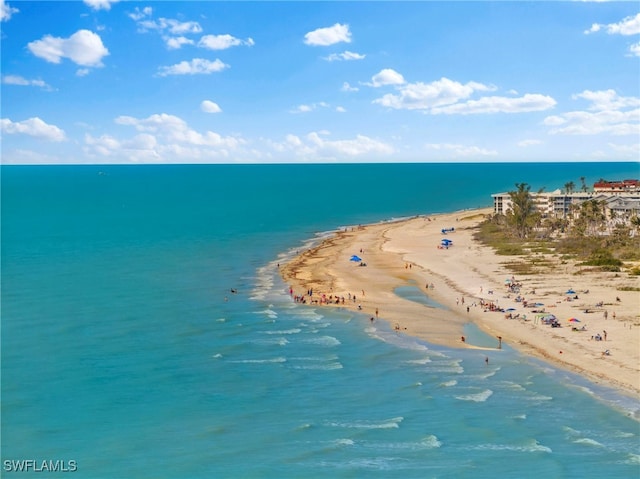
pixel 492 234
pixel 584 235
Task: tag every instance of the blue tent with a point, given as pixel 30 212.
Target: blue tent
pixel 356 258
pixel 446 242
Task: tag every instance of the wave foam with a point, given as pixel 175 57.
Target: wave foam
pixel 320 367
pixel 284 331
pixel 478 397
pixel 448 384
pixel 531 446
pixel 588 442
pixel 260 361
pixel 392 423
pixel 327 341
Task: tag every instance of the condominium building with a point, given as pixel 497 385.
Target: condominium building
pixel 559 204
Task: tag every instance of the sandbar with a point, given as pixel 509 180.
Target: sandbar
pixel 468 282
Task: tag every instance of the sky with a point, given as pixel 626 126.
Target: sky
pixel 104 82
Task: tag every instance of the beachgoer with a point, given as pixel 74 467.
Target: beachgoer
pixel 605 335
pixel 462 338
pixel 605 314
pixel 499 342
pixel 376 312
pixel 486 359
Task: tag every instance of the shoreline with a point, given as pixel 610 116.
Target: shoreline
pixel 472 285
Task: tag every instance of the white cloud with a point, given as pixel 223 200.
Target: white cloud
pixel 425 96
pixel 344 56
pixel 635 49
pixel 457 150
pixel 347 87
pixel 341 109
pixel 386 77
pixel 498 104
pixel 608 113
pixel 164 25
pixel 328 36
pixel 18 80
pixel 628 26
pixel 607 100
pixel 176 129
pixel 6 11
pixel 162 138
pixel 175 43
pixel 139 14
pixel 360 145
pixel 309 107
pixel 194 67
pixel 222 42
pixel 210 107
pixel 631 151
pixel 83 48
pixel 315 146
pixel 302 109
pixel 100 4
pixel 33 127
pixel 526 143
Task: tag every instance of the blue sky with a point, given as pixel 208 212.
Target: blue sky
pixel 100 81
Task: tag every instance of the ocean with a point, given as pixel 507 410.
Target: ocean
pixel 125 353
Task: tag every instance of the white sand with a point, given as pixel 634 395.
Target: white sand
pixel 406 253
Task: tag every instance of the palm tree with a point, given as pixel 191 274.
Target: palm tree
pixel 522 216
pixel 569 187
pixel 592 213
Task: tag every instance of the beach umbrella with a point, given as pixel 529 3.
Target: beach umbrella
pixel 511 309
pixel 549 317
pixel 356 258
pixel 570 291
pixel 574 320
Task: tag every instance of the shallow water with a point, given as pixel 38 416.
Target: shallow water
pixel 124 349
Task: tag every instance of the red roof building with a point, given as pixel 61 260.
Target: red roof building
pixel 623 186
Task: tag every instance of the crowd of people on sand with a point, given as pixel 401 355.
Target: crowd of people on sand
pixel 323 298
pixel 512 286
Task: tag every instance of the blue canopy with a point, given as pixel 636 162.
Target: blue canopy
pixel 446 241
pixel 356 258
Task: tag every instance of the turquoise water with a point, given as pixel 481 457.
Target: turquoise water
pixel 124 349
pixel 417 295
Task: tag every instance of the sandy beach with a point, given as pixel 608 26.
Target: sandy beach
pixel 470 283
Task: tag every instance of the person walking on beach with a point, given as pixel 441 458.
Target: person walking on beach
pixel 486 360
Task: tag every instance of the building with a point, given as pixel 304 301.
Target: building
pixel 621 204
pixel 624 186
